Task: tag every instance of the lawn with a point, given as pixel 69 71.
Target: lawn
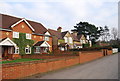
pixel 19 60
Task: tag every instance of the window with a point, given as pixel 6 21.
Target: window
pixel 16 50
pixel 66 40
pixel 46 38
pixel 28 50
pixel 15 34
pixel 70 40
pixel 37 49
pixel 84 41
pixel 81 41
pixel 28 36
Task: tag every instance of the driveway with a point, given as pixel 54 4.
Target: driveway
pixel 104 68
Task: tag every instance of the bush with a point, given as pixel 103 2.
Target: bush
pixel 86 45
pixel 92 48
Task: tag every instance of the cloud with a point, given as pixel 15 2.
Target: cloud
pixel 65 13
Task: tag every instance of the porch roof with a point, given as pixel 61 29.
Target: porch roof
pixel 63 45
pixel 42 44
pixel 7 42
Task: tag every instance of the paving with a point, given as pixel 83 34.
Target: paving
pixel 103 68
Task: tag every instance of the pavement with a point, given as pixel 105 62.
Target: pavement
pixel 103 68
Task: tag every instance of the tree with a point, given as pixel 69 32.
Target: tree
pixel 104 32
pixel 88 30
pixel 114 33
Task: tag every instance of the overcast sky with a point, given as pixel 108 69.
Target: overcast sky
pixel 64 13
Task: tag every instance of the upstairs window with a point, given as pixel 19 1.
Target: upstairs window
pixel 28 36
pixel 70 40
pixel 46 38
pixel 15 34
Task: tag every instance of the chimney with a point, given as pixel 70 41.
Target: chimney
pixel 59 29
pixel 75 33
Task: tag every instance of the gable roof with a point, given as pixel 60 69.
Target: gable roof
pixel 42 44
pixel 25 22
pixel 7 42
pixel 8 21
pixel 64 33
pixel 79 36
pixel 55 33
pixel 74 37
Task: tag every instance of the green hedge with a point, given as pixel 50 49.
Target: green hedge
pixel 22 42
pixel 92 48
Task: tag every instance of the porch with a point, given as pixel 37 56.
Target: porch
pixel 9 49
pixel 41 47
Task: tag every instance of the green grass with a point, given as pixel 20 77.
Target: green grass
pixel 19 60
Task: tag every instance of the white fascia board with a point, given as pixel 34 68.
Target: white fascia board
pixel 45 44
pixel 25 22
pixel 5 42
pixel 47 33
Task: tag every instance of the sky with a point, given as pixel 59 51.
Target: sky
pixel 64 13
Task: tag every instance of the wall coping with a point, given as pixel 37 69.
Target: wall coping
pixel 35 62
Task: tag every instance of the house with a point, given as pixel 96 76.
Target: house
pixel 22 36
pixel 61 40
pixel 78 40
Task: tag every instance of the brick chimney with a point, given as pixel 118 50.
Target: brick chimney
pixel 59 29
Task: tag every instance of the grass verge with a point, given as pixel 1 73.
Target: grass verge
pixel 19 60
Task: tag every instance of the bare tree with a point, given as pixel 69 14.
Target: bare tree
pixel 114 33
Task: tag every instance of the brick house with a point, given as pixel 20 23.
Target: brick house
pixel 61 40
pixel 22 36
pixel 79 40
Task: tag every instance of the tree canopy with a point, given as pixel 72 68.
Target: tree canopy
pixel 89 30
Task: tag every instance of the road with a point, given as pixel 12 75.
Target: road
pixel 104 68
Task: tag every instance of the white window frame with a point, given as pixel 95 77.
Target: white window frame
pixel 66 39
pixel 29 48
pixel 16 52
pixel 15 34
pixel 70 40
pixel 36 50
pixel 83 41
pixel 46 38
pixel 28 36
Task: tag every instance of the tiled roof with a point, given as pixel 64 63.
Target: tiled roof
pixel 55 33
pixel 7 21
pixel 63 45
pixel 79 36
pixel 39 43
pixel 74 37
pixel 64 33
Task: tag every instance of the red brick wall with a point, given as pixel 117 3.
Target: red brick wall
pixel 13 71
pixel 18 70
pixel 5 34
pixel 48 56
pixel 89 56
pixel 19 28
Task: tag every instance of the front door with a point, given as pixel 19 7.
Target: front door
pixel 4 51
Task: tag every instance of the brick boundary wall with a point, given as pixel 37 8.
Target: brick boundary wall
pixel 24 69
pixel 49 56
